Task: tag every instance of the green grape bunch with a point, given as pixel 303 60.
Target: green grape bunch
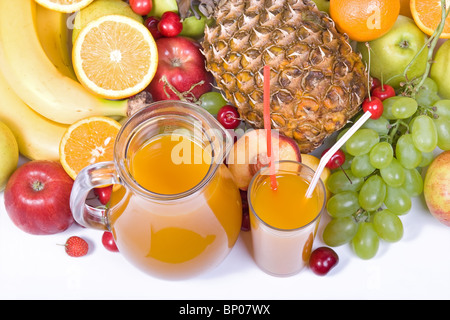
pixel 382 172
pixel 383 161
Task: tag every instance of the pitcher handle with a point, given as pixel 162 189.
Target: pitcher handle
pixel 96 175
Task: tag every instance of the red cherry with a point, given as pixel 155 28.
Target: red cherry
pixel 336 160
pixel 229 117
pixel 108 241
pixel 322 260
pixel 170 24
pixel 103 194
pixel 375 83
pixel 141 7
pixel 374 105
pixel 152 25
pixel 383 92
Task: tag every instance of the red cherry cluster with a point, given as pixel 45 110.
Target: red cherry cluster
pixel 169 25
pixel 104 196
pixel 379 93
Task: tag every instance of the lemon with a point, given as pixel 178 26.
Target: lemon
pixel 100 8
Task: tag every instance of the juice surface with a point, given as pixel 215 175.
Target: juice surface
pixel 170 164
pixel 286 207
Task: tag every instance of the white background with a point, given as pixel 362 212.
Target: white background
pixel 417 267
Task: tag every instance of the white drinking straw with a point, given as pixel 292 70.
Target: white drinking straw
pixel 327 156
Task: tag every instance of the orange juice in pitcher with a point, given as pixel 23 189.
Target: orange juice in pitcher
pixel 177 212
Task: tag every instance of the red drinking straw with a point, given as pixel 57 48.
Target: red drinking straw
pixel 267 126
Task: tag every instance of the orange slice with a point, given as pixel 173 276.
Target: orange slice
pixel 115 57
pixel 427 15
pixel 64 5
pixel 86 142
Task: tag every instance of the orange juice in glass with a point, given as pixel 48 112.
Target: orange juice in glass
pixel 176 211
pixel 283 221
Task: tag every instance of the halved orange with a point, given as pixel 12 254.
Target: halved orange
pixel 64 5
pixel 88 141
pixel 115 57
pixel 427 15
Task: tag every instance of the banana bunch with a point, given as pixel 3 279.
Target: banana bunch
pixel 40 95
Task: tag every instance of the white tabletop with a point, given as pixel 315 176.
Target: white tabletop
pixel 417 267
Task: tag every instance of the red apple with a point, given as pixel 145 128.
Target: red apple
pixel 436 188
pixel 249 154
pixel 181 70
pixel 37 197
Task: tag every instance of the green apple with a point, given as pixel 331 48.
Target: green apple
pixel 391 53
pixel 9 154
pixel 323 5
pixel 440 70
pixel 193 27
pixel 161 6
pixel 100 8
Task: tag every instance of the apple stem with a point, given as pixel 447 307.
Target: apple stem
pixel 37 185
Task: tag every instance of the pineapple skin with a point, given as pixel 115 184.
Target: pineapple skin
pixel 318 82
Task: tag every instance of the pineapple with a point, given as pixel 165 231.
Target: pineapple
pixel 317 81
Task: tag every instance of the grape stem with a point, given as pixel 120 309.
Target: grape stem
pixel 394 127
pixel 183 96
pixel 361 215
pixel 431 44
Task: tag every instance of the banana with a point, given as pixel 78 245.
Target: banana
pixel 35 79
pixel 54 37
pixel 38 138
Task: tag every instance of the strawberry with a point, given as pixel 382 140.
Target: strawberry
pixel 76 246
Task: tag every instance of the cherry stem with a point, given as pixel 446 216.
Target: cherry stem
pixel 345 173
pixel 368 72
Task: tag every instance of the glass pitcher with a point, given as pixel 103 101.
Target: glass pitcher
pixel 175 210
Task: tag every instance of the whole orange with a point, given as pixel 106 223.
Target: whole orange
pixel 405 9
pixel 364 20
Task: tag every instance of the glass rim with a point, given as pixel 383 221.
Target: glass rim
pixel 128 180
pixel 319 185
